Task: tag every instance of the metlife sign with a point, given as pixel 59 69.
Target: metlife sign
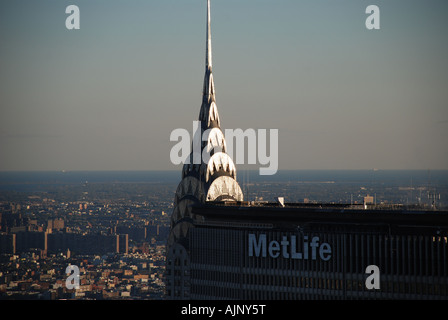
pixel 288 247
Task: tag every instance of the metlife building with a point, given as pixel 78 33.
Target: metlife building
pixel 303 251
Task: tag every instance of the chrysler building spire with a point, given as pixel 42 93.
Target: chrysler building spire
pixel 214 177
pixel 209 86
pixel 208 60
pixel 217 173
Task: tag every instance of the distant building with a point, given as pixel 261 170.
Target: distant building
pixel 63 242
pixel 8 243
pixel 122 243
pixel 135 233
pixel 157 231
pixel 55 224
pixel 10 222
pixel 26 240
pixel 368 200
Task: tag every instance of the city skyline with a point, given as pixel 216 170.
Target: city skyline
pixel 107 96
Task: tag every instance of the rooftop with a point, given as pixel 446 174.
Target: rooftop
pixel 276 213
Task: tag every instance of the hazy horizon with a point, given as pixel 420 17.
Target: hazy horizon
pixel 106 97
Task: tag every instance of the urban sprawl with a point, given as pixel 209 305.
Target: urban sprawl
pixel 116 239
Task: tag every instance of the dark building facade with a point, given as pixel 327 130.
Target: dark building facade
pixel 61 242
pixel 8 243
pixel 300 252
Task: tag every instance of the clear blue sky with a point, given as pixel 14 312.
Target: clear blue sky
pixel 107 96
